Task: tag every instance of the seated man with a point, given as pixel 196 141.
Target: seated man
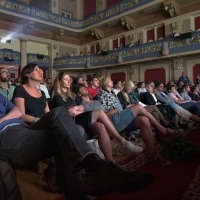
pixel 56 134
pixel 141 119
pixel 94 87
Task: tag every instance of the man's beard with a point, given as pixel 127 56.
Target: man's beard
pixel 7 79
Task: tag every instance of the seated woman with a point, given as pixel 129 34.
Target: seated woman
pixel 141 87
pixel 94 122
pixel 185 93
pixel 126 102
pixel 32 103
pixel 195 94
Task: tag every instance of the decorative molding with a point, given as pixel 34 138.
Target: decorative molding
pixel 98 33
pixel 172 8
pixel 29 27
pixel 177 27
pixel 109 13
pixel 133 38
pixel 133 69
pixel 128 22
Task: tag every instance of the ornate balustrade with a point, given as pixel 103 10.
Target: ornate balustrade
pixel 41 60
pixel 23 9
pixel 132 54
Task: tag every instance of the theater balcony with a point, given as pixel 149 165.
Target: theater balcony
pixel 169 48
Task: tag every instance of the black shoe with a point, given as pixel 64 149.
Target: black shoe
pixel 111 177
pixel 51 179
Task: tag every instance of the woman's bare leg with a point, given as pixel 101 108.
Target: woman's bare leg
pixel 147 135
pixel 138 110
pixel 103 140
pixel 100 116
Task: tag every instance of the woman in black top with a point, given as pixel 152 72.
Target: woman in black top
pixel 28 97
pixel 95 121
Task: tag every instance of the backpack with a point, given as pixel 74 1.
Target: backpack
pixel 178 148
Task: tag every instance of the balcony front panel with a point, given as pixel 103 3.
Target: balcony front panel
pixel 137 53
pixel 26 10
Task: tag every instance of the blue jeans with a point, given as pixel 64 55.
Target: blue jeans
pixel 56 135
pixel 191 107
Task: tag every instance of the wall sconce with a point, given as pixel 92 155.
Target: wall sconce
pixel 177 66
pixel 29 27
pixel 132 70
pixel 61 32
pixel 100 2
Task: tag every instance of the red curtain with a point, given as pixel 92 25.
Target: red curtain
pixel 196 72
pixel 92 49
pixel 115 44
pixel 122 41
pixel 155 74
pixel 112 2
pixel 89 8
pixel 118 76
pixel 197 23
pixel 97 48
pixel 160 32
pixel 88 78
pixel 150 35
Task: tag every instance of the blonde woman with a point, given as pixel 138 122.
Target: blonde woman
pixel 127 100
pixel 94 122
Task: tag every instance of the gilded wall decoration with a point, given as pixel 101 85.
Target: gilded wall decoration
pixel 109 12
pixel 195 40
pixel 70 61
pixel 128 53
pixel 1 54
pixel 142 50
pixel 104 58
pixel 179 43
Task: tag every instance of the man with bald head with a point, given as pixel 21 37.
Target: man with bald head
pixel 5 88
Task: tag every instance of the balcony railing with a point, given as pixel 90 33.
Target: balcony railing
pixel 40 14
pixel 8 56
pixel 131 54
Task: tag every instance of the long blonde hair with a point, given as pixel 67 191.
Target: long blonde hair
pixel 57 90
pixel 129 85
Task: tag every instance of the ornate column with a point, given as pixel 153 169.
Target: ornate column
pixel 52 50
pixel 133 72
pixel 23 50
pixel 54 6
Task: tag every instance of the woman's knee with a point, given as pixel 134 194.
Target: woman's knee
pixel 142 121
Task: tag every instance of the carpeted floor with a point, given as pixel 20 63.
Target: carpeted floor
pixel 181 181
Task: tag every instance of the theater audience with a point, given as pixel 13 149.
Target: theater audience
pixel 94 122
pixel 125 98
pixel 119 120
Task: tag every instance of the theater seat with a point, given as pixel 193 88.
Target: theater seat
pixel 9 189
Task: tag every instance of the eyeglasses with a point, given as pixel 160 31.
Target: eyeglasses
pixel 5 72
